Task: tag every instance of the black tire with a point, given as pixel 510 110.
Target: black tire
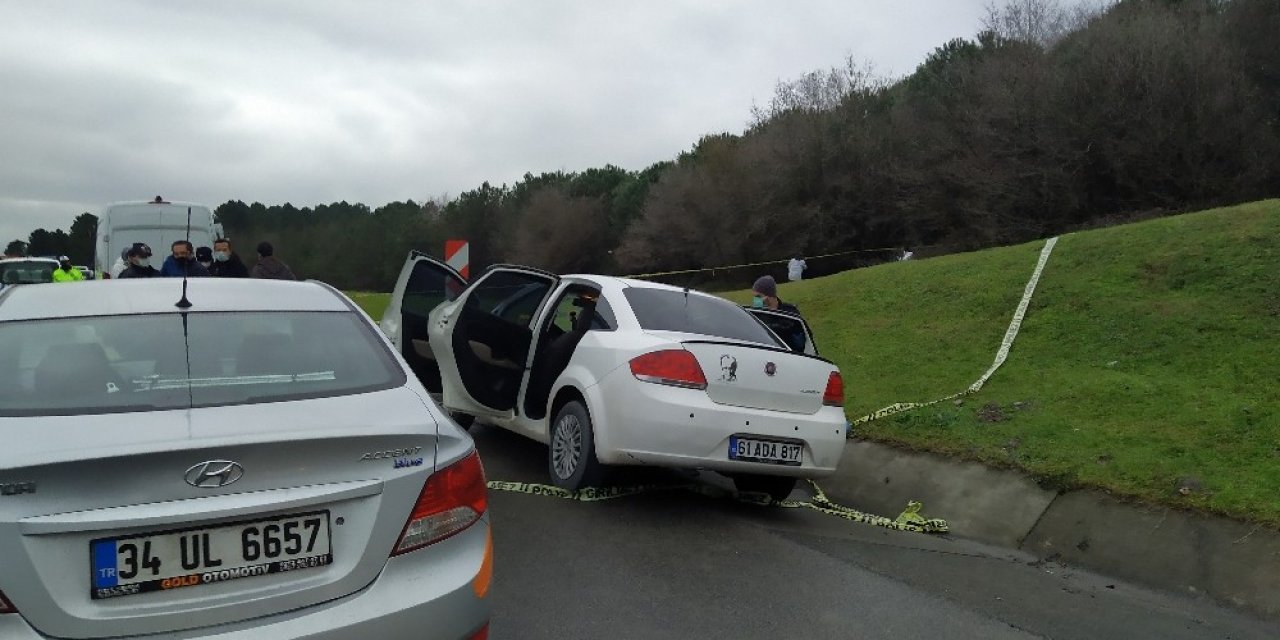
pixel 778 487
pixel 464 420
pixel 571 449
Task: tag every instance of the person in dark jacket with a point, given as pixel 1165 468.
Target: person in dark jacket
pixel 139 263
pixel 765 295
pixel 183 262
pixel 269 267
pixel 204 255
pixel 226 263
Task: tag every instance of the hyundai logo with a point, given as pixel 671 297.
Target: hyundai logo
pixel 214 474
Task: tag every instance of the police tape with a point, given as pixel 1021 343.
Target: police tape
pixel 757 264
pixel 1002 353
pixel 909 520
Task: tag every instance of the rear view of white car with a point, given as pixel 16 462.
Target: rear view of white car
pixel 609 371
pixel 259 464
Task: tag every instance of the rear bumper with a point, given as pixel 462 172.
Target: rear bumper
pixel 423 596
pixel 643 423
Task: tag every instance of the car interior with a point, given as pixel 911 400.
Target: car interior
pixel 491 335
pixel 575 314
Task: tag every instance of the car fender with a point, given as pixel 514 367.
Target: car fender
pixel 580 379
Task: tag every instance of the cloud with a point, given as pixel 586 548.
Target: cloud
pixel 373 101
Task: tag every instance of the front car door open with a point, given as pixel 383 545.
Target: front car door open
pixel 793 330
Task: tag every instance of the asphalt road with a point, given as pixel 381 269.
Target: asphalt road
pixel 675 564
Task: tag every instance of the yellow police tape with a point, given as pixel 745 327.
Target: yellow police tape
pixel 1002 353
pixel 909 520
pixel 756 264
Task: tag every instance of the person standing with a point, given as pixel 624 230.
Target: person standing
pixel 121 264
pixel 204 256
pixel 269 267
pixel 226 263
pixel 139 263
pixel 765 296
pixel 182 263
pixel 795 268
pixel 66 272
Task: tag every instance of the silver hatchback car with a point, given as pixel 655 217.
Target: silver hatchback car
pixel 260 464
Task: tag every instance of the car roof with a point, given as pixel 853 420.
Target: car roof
pixel 620 283
pixel 10 260
pixel 159 295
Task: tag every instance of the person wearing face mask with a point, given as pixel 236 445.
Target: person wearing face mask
pixel 66 272
pixel 204 255
pixel 182 263
pixel 139 263
pixel 226 264
pixel 765 296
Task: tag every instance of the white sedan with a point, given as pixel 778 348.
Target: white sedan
pixel 611 371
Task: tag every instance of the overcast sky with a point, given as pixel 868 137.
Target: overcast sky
pixel 313 101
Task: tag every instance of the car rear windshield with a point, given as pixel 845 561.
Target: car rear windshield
pixel 666 310
pixel 71 366
pixel 26 272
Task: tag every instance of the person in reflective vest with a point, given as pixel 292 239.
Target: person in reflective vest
pixel 66 272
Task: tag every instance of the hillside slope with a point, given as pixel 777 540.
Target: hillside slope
pixel 1148 363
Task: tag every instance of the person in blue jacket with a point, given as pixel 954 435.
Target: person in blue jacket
pixel 182 262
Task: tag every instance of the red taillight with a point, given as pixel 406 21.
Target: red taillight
pixel 675 367
pixel 482 634
pixel 452 500
pixel 834 395
pixel 5 605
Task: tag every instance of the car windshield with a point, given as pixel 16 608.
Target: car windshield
pixel 26 272
pixel 666 310
pixel 70 366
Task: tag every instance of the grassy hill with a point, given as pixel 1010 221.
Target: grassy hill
pixel 1148 364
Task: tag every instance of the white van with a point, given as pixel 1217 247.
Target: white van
pixel 157 223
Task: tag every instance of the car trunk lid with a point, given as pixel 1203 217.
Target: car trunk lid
pixel 113 480
pixel 743 374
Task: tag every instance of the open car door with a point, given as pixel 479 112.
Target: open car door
pixel 793 330
pixel 487 334
pixel 424 284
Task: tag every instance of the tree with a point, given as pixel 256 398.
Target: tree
pixel 82 238
pixel 15 248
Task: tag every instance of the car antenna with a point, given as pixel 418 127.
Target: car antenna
pixel 184 303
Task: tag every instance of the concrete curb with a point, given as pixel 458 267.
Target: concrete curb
pixel 1188 553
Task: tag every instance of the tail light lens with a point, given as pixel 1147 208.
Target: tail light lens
pixel 482 634
pixel 5 605
pixel 675 367
pixel 453 499
pixel 834 395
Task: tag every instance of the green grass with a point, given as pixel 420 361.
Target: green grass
pixel 373 304
pixel 1149 358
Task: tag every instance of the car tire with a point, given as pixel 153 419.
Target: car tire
pixel 464 420
pixel 778 487
pixel 571 449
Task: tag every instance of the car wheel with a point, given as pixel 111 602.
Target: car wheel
pixel 571 455
pixel 778 487
pixel 464 420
